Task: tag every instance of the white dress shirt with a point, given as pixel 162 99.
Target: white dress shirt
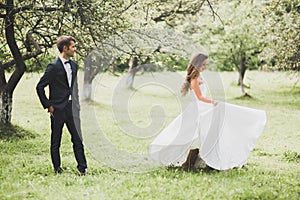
pixel 68 69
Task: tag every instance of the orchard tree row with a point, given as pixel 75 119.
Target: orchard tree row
pixel 133 34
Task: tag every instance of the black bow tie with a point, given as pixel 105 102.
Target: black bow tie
pixel 67 62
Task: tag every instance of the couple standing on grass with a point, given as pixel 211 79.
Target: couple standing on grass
pixel 216 134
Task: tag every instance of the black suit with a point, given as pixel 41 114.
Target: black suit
pixel 65 111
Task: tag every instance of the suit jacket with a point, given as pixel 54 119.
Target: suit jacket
pixel 55 77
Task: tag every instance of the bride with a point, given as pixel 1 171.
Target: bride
pixel 218 134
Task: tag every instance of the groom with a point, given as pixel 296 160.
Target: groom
pixel 63 102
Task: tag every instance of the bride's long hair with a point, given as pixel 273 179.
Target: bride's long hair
pixel 193 71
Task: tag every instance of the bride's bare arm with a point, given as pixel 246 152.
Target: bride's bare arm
pixel 195 87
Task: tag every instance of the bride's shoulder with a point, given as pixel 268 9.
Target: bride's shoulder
pixel 197 81
pixel 194 81
pixel 200 80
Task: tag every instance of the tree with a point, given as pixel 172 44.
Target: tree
pixel 32 27
pixel 282 19
pixel 147 38
pixel 18 56
pixel 237 43
pixel 138 48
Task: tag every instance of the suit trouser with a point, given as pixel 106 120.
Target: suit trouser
pixel 61 117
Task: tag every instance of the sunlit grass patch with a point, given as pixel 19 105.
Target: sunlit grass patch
pixel 291 156
pixel 271 172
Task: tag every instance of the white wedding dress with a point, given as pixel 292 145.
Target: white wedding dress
pixel 225 134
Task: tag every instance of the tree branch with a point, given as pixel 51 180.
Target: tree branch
pixel 2 79
pixel 179 10
pixel 31 7
pixel 28 56
pixel 129 6
pixel 214 12
pixel 25 8
pixel 3 6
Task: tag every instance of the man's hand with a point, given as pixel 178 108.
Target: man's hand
pixel 51 111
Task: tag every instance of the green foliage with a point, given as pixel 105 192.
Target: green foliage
pixel 249 28
pixel 90 22
pixel 39 65
pixel 94 21
pixel 3 53
pixel 237 36
pixel 281 32
pixel 172 62
pixel 163 48
pixel 169 13
pixel 266 32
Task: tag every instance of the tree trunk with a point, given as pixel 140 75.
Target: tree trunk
pixel 242 69
pixel 94 63
pixel 5 107
pixel 7 88
pixel 89 72
pixel 87 90
pixel 242 72
pixel 87 81
pixel 131 72
pixel 5 100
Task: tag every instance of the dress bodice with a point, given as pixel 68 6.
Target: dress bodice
pixel 203 89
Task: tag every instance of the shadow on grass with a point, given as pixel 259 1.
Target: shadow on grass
pixel 207 170
pixel 14 132
pixel 91 102
pixel 288 96
pixel 246 96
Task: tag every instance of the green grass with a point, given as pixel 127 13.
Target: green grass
pixel 118 165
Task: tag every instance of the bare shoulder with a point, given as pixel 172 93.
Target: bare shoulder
pixel 194 83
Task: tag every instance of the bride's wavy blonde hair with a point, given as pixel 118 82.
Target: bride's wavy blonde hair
pixel 193 71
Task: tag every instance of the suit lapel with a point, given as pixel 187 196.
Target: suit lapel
pixel 62 66
pixel 73 72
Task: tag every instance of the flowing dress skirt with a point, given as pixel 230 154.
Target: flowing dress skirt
pixel 225 135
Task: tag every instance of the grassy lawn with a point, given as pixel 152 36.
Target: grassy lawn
pixel 118 127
